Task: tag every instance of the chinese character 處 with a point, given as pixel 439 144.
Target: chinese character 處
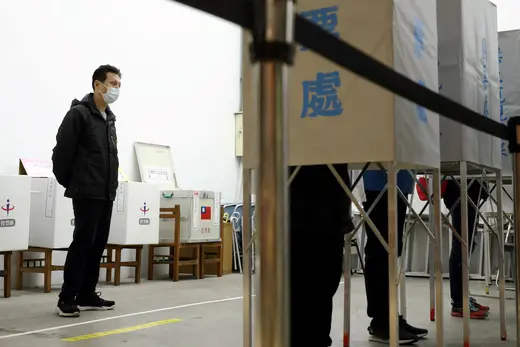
pixel 320 97
pixel 326 18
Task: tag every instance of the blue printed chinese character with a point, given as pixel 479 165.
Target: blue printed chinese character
pixel 504 149
pixel 418 35
pixel 503 117
pixel 499 55
pixel 326 18
pixel 421 111
pixel 320 97
pixel 486 107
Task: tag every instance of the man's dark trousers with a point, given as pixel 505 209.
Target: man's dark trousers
pixel 376 257
pixel 451 196
pixel 318 222
pixel 92 226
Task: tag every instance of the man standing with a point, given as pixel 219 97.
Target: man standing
pixel 85 162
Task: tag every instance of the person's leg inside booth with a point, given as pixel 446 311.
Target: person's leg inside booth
pixel 319 209
pixel 451 196
pixel 376 258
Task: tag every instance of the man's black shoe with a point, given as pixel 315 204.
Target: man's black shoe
pixel 419 332
pixel 381 334
pixel 94 302
pixel 67 308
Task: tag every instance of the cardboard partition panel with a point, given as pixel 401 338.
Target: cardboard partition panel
pixel 336 117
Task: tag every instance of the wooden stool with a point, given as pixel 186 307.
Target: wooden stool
pixel 116 263
pixel 6 273
pixel 173 258
pixel 213 252
pixel 42 266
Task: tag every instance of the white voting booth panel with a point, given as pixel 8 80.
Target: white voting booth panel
pixel 135 215
pixel 52 215
pixel 200 209
pixel 469 74
pixel 200 215
pixel 15 206
pixel 336 117
pixel 509 58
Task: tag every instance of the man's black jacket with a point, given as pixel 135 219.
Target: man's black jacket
pixel 85 158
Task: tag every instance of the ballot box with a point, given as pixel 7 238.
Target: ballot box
pixel 135 215
pixel 469 74
pixel 199 209
pixel 52 215
pixel 200 215
pixel 334 116
pixel 509 62
pixel 15 207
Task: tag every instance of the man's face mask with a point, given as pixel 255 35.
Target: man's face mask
pixel 111 95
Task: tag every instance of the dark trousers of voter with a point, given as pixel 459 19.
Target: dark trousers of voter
pixel 318 223
pixel 376 257
pixel 451 195
pixel 92 226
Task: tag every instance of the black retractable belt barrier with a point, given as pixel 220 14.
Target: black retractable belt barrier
pixel 242 13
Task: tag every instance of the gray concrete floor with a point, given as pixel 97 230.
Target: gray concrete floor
pixel 211 314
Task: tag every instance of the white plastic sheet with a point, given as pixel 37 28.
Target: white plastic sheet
pixel 509 58
pixel 415 55
pixel 468 74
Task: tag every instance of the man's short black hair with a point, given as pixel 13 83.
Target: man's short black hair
pixel 101 73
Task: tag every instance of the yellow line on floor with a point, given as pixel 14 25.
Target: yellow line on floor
pixel 122 330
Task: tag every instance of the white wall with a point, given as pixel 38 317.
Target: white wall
pixel 507 14
pixel 180 85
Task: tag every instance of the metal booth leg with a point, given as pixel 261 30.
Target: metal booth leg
pixel 437 255
pixel 431 261
pixel 246 256
pixel 465 251
pixel 502 274
pixel 392 255
pixel 272 34
pixel 514 147
pixel 347 257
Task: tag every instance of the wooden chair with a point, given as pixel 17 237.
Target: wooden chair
pixel 174 258
pixel 6 273
pixel 44 266
pixel 116 262
pixel 213 252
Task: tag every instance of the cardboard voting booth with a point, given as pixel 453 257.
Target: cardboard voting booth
pixel 52 216
pixel 469 74
pixel 509 61
pixel 336 117
pixel 200 209
pixel 15 207
pixel 135 215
